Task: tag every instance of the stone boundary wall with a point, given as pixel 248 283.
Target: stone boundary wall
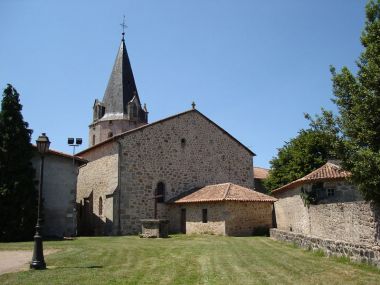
pixel 356 222
pixel 355 252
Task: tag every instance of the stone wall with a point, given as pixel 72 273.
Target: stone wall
pixel 183 152
pixel 355 252
pixel 216 215
pixel 107 148
pixel 354 222
pixel 224 218
pixel 98 179
pixel 101 130
pixel 291 213
pixel 244 217
pixel 58 194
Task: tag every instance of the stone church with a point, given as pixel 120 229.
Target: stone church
pixel 138 170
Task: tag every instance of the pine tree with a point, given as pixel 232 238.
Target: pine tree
pixel 358 100
pixel 18 195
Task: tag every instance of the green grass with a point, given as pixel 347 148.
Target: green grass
pixel 187 260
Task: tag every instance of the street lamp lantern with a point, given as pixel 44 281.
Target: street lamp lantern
pixel 38 261
pixel 43 144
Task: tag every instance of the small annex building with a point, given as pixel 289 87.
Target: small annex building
pixel 222 209
pixel 336 219
pixel 259 175
pixel 327 185
pixel 59 192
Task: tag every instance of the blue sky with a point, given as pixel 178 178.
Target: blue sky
pixel 253 67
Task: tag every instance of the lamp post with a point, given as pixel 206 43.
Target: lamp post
pixel 38 261
pixel 78 142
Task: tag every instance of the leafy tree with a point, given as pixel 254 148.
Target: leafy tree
pixel 306 152
pixel 356 128
pixel 358 100
pixel 18 195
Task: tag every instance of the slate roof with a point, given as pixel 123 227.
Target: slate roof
pixel 121 87
pixel 222 192
pixel 327 172
pixel 260 173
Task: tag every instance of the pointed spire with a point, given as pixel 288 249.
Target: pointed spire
pixel 121 86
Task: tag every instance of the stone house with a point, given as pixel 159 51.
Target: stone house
pixel 59 192
pixel 221 209
pixel 337 220
pixel 259 174
pixel 131 162
pixel 329 185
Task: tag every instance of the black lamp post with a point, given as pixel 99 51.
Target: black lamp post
pixel 38 261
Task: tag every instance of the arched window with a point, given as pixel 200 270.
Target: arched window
pixel 110 134
pixel 93 139
pixel 100 206
pixel 160 192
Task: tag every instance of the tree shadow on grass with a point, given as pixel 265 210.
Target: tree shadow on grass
pixel 78 267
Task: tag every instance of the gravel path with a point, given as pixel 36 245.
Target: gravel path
pixel 17 260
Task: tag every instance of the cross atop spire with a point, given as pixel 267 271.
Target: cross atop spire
pixel 123 25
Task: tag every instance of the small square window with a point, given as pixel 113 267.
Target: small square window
pixel 204 215
pixel 330 192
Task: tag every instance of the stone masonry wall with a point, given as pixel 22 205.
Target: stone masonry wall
pixel 224 218
pixel 183 152
pixel 356 252
pixel 354 222
pixel 101 129
pixel 243 217
pixel 105 149
pixel 215 214
pixel 99 178
pixel 291 213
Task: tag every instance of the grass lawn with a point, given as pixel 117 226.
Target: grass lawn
pixel 187 260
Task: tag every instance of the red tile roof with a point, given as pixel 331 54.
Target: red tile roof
pixel 54 152
pixel 223 192
pixel 260 173
pixel 326 172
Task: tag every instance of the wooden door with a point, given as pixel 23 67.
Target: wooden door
pixel 183 221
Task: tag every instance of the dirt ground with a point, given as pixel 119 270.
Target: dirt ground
pixel 17 260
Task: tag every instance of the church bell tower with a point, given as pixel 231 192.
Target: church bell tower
pixel 120 109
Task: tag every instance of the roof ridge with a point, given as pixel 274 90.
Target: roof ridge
pixel 163 120
pixel 311 173
pixel 308 178
pixel 227 191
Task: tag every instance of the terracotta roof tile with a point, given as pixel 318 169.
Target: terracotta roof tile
pixel 55 152
pixel 223 192
pixel 326 172
pixel 260 173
